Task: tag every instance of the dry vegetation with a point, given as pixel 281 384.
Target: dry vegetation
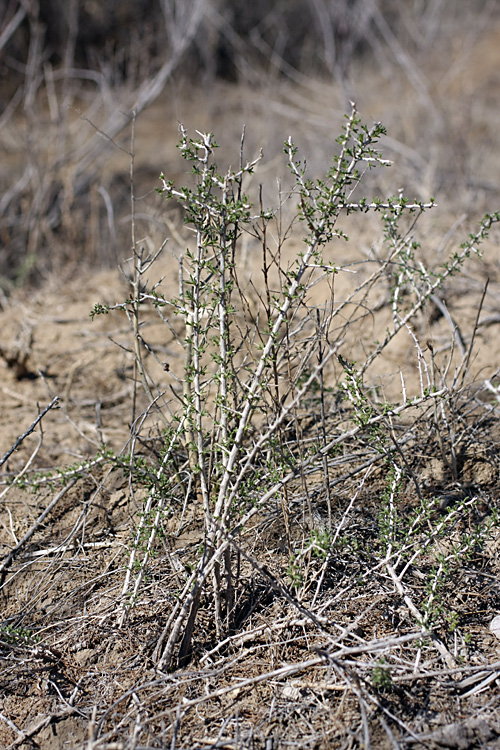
pixel 252 502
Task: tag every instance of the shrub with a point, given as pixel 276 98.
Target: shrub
pixel 271 396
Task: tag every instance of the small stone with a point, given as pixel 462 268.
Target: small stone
pixel 495 626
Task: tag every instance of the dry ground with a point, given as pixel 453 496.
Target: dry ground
pixel 324 651
pixel 298 670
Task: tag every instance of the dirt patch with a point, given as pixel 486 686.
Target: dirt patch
pixel 74 669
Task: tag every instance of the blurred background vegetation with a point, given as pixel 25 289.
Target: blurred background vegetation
pixel 74 75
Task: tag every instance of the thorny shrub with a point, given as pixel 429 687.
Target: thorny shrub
pixel 269 401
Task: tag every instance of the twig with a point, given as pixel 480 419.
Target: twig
pixel 41 725
pixel 441 306
pixel 448 658
pixel 12 554
pixel 28 431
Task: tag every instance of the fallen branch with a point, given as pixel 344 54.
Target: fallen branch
pixel 28 431
pixel 12 554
